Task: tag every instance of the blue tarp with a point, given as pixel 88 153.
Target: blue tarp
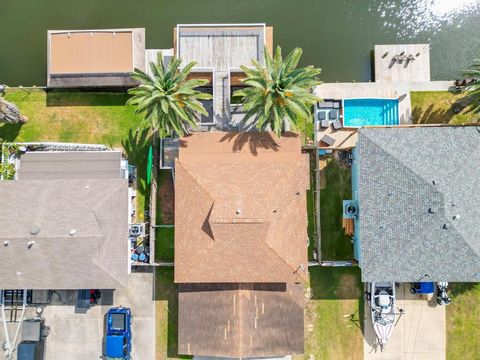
pixel 425 288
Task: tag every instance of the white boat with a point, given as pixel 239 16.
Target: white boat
pixel 382 308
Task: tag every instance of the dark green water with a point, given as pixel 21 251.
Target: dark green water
pixel 336 35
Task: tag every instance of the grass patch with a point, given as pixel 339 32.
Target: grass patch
pixel 164 244
pixel 463 315
pixel 83 117
pixel 335 244
pixel 437 107
pixel 333 318
pixel 166 312
pixel 311 230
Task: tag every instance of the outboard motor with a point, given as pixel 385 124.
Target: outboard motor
pixel 442 296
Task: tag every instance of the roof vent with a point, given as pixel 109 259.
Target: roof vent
pixel 432 210
pixel 456 217
pixel 18 273
pixel 433 182
pixel 239 211
pixel 275 211
pixel 30 244
pixel 34 230
pixel 446 225
pixel 72 232
pixel 6 242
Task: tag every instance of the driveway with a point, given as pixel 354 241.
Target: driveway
pixel 420 333
pixel 79 336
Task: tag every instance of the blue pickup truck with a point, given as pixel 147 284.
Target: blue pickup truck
pixel 118 337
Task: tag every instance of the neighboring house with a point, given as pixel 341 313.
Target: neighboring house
pixel 241 244
pixel 94 58
pixel 64 222
pixel 417 191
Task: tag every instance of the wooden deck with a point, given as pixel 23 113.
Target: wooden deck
pixel 222 47
pixel 343 138
pixel 401 63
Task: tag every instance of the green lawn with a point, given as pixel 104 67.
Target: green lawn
pixel 164 244
pixel 164 236
pixel 312 233
pixel 437 107
pixel 333 319
pixel 83 117
pixel 166 313
pixel 463 318
pixel 338 186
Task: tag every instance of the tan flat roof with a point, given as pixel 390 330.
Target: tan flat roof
pixel 90 52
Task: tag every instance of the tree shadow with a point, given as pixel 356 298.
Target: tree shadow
pixel 254 140
pixel 456 288
pixel 136 146
pixel 70 97
pixel 432 116
pixel 9 132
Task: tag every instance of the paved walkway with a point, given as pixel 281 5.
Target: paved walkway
pixel 420 334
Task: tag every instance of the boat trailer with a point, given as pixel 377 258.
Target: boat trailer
pixel 12 301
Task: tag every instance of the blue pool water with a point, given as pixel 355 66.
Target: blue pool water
pixel 370 112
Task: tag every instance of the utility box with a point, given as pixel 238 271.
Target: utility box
pixel 32 346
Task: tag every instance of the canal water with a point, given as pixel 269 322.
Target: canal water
pixel 336 35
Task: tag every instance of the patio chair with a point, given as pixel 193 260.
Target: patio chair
pixel 333 114
pixel 324 124
pixel 322 105
pixel 328 140
pixel 321 115
pixel 337 125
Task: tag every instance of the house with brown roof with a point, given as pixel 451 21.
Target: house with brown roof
pixel 241 244
pixel 94 58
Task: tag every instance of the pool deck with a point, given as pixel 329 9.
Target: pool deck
pixel 399 69
pixel 346 138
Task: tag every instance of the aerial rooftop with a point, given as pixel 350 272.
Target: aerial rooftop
pixel 417 191
pixel 78 58
pixel 64 229
pixel 239 258
pixel 245 189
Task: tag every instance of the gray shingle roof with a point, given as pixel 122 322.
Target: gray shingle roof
pixel 412 182
pixel 94 257
pixel 37 165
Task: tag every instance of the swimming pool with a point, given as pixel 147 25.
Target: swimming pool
pixel 370 112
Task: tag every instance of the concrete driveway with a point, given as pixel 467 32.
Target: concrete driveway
pixel 420 333
pixel 79 336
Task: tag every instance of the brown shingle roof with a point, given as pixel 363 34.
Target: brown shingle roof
pixel 241 320
pixel 240 208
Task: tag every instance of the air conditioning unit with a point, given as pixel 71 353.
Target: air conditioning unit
pixel 350 209
pixel 137 230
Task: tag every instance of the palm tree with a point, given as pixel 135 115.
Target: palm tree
pixel 168 100
pixel 9 113
pixel 472 90
pixel 279 92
